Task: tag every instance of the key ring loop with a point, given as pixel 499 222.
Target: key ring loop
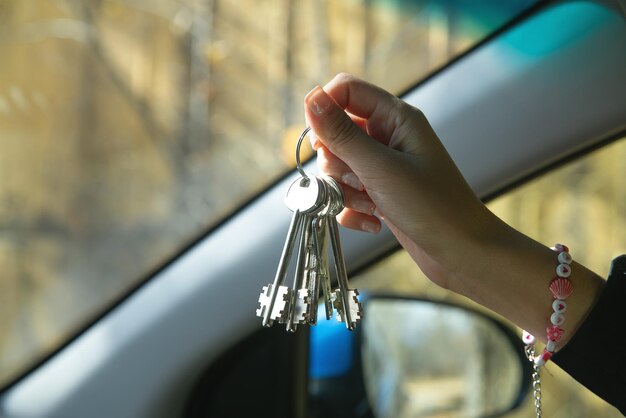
pixel 298 164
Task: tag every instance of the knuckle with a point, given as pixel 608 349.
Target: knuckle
pixel 401 108
pixel 344 77
pixel 407 115
pixel 414 112
pixel 342 133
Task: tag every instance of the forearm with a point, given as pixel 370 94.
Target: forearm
pixel 509 273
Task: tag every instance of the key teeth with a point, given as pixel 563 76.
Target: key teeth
pixel 281 306
pixel 337 303
pixel 301 309
pixel 263 301
pixel 280 309
pixel 356 309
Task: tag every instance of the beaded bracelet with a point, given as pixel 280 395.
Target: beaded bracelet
pixel 561 288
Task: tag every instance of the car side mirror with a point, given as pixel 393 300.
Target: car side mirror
pixel 415 357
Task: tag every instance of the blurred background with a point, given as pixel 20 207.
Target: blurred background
pixel 129 128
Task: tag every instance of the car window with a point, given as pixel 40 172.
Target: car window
pixel 129 128
pixel 582 203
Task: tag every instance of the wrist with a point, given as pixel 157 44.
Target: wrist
pixel 503 270
pixel 509 273
pixel 472 245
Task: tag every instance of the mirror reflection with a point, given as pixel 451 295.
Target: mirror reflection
pixel 423 359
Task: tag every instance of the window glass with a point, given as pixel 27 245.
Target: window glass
pixel 128 127
pixel 582 204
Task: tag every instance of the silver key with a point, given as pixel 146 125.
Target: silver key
pixel 320 242
pixel 316 273
pixel 346 302
pixel 314 202
pixel 311 274
pixel 303 197
pixel 270 292
pixel 301 297
pixel 305 287
pixel 280 307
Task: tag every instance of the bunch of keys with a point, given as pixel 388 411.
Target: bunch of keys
pixel 315 202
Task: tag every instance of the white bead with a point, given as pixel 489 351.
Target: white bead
pixel 563 270
pixel 565 258
pixel 560 247
pixel 539 361
pixel 528 338
pixel 559 306
pixel 551 345
pixel 557 319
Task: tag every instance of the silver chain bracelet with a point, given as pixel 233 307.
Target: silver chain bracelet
pixel 530 353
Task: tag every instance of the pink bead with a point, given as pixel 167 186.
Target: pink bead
pixel 554 333
pixel 563 270
pixel 561 288
pixel 557 319
pixel 564 258
pixel 543 358
pixel 528 338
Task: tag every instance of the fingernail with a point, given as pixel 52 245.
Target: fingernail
pixel 371 227
pixel 364 206
pixel 353 181
pixel 318 101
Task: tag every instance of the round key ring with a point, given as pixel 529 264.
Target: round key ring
pixel 298 163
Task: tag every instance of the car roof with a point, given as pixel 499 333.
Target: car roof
pixel 504 111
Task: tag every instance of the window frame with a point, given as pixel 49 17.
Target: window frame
pixel 35 383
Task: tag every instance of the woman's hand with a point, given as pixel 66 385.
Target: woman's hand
pixel 388 158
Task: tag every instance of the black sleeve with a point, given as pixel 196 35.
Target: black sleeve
pixel 596 354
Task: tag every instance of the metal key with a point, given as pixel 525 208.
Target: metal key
pixel 311 271
pixel 301 297
pixel 306 284
pixel 346 301
pixel 315 202
pixel 320 243
pixel 276 300
pixel 318 273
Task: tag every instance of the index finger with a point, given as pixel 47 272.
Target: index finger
pixel 378 107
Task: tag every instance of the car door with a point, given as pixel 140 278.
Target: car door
pixel 140 348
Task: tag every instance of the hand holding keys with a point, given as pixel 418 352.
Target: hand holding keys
pixel 315 201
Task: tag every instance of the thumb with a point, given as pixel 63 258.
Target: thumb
pixel 334 128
